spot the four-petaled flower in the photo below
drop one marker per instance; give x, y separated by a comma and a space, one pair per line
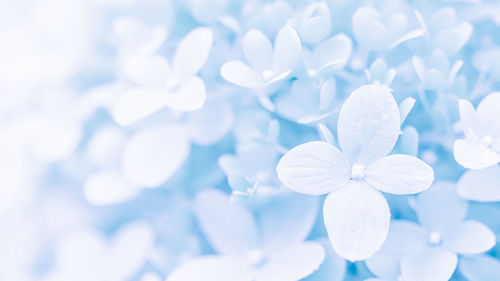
356, 214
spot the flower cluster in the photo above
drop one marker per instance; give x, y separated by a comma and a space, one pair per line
262, 140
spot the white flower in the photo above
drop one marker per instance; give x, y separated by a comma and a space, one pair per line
160, 85
356, 214
268, 65
481, 146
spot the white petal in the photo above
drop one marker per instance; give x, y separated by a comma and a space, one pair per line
292, 263
480, 268
469, 237
212, 268
287, 50
333, 267
149, 71
400, 174
190, 96
472, 154
241, 74
404, 237
480, 185
369, 124
154, 155
468, 117
136, 104
430, 264
287, 219
314, 168
107, 188
440, 207
331, 54
405, 107
453, 39
229, 226
408, 36
357, 220
211, 123
488, 114
258, 50
192, 52
129, 249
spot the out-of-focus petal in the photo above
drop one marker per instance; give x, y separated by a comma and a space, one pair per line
136, 104
107, 188
332, 54
314, 168
430, 264
480, 268
440, 207
469, 237
153, 155
488, 114
258, 50
480, 185
287, 50
192, 52
212, 268
151, 71
190, 95
369, 124
452, 40
292, 263
357, 220
399, 174
241, 74
229, 226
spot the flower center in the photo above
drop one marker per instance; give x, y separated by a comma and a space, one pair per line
267, 75
434, 238
488, 140
357, 172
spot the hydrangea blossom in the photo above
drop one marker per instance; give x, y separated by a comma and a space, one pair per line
356, 214
250, 250
429, 250
481, 146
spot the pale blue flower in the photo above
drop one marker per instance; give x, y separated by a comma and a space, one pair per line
160, 85
480, 185
356, 214
481, 146
437, 73
270, 248
430, 250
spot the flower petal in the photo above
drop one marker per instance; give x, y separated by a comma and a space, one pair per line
147, 70
154, 155
452, 40
287, 50
107, 188
190, 96
287, 219
241, 74
313, 168
480, 185
258, 50
212, 268
399, 174
440, 207
211, 123
357, 220
292, 263
469, 237
472, 154
488, 114
333, 267
136, 104
480, 268
330, 55
192, 52
369, 124
229, 227
430, 264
